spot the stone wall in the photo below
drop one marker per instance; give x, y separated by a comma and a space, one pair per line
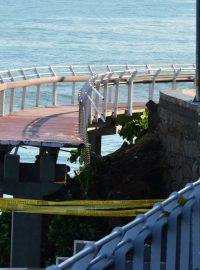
179, 131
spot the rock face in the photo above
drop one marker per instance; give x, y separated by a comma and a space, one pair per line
163, 160
133, 172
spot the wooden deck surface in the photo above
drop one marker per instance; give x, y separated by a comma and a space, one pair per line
50, 127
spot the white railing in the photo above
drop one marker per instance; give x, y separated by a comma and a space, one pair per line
24, 79
39, 86
82, 70
100, 96
167, 237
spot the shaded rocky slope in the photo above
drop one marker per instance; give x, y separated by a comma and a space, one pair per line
132, 172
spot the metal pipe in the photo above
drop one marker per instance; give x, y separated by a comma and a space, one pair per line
197, 51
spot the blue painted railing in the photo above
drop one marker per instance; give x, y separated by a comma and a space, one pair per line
167, 237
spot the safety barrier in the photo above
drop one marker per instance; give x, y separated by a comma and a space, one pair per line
100, 95
109, 90
17, 93
78, 208
167, 238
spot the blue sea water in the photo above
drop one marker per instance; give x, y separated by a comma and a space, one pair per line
44, 32
65, 32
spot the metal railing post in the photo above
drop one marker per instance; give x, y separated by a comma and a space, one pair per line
176, 73
27, 77
12, 93
73, 86
2, 103
24, 92
2, 99
130, 93
105, 103
152, 86
54, 95
38, 89
97, 103
117, 82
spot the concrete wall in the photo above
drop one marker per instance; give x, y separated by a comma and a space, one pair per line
179, 131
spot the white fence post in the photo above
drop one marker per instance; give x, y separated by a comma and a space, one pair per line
11, 107
73, 85
2, 99
152, 86
130, 93
148, 67
37, 101
105, 102
176, 73
116, 100
2, 103
54, 95
23, 92
97, 102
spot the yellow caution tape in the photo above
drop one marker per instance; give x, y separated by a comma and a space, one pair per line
109, 203
78, 208
78, 212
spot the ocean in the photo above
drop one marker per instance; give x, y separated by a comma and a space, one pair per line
66, 32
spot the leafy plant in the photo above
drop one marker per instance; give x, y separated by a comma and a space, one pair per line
86, 177
64, 229
131, 130
74, 155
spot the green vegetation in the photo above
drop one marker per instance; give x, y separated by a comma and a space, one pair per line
133, 129
63, 230
74, 155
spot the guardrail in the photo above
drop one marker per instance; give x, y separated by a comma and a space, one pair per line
100, 95
72, 76
82, 70
166, 237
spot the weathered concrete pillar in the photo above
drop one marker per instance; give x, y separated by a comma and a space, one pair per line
25, 240
26, 228
47, 168
4, 150
11, 168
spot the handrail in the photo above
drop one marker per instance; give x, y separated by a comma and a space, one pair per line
90, 92
48, 80
102, 82
38, 81
89, 70
180, 212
